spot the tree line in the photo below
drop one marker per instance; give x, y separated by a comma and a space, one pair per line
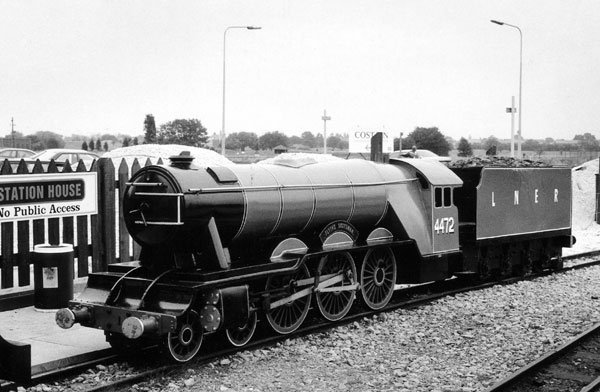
97, 145
188, 132
270, 140
191, 132
584, 142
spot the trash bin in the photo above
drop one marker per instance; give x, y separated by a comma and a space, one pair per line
52, 275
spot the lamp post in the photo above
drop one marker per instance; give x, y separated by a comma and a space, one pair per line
512, 110
223, 119
520, 111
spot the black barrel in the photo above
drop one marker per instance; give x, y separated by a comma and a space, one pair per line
52, 275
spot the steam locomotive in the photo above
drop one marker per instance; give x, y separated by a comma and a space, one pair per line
222, 246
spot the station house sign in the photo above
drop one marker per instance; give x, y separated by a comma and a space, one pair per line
34, 196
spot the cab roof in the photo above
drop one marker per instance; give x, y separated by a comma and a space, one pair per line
436, 173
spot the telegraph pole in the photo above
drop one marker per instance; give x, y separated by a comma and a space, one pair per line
12, 130
325, 118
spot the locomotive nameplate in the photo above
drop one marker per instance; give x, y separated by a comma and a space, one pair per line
338, 226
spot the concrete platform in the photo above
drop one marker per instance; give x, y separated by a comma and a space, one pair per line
48, 341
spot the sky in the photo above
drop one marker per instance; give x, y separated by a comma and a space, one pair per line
88, 67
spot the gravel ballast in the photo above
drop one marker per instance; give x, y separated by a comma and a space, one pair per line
461, 343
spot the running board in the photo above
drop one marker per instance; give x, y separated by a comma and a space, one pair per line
411, 285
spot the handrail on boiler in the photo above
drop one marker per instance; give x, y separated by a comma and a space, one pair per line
303, 186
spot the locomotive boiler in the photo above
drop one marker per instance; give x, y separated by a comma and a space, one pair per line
246, 213
222, 246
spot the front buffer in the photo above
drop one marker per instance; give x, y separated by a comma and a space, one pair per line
169, 308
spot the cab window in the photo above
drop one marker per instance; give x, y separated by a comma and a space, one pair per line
443, 197
438, 197
447, 196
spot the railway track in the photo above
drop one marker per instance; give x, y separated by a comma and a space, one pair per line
574, 366
405, 298
582, 255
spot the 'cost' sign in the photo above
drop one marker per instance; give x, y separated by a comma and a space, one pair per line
360, 142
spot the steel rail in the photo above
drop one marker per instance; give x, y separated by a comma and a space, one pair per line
52, 374
581, 255
508, 383
593, 386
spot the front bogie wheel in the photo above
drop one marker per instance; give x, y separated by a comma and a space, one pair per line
239, 336
183, 344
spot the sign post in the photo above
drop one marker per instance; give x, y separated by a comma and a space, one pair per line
377, 147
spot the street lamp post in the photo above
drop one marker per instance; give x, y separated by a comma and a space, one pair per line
512, 110
223, 119
520, 111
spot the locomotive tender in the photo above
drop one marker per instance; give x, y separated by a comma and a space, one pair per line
222, 245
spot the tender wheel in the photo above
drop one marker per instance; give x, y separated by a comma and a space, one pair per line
239, 336
335, 300
483, 264
287, 317
506, 262
526, 262
378, 277
557, 263
184, 343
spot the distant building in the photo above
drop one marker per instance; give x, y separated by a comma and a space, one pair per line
280, 149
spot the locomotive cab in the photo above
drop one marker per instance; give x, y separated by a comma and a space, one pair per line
432, 224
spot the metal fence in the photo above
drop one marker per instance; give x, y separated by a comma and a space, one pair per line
98, 240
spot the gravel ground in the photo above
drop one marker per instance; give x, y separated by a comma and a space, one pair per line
460, 343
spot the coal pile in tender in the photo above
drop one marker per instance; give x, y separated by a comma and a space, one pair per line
493, 161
